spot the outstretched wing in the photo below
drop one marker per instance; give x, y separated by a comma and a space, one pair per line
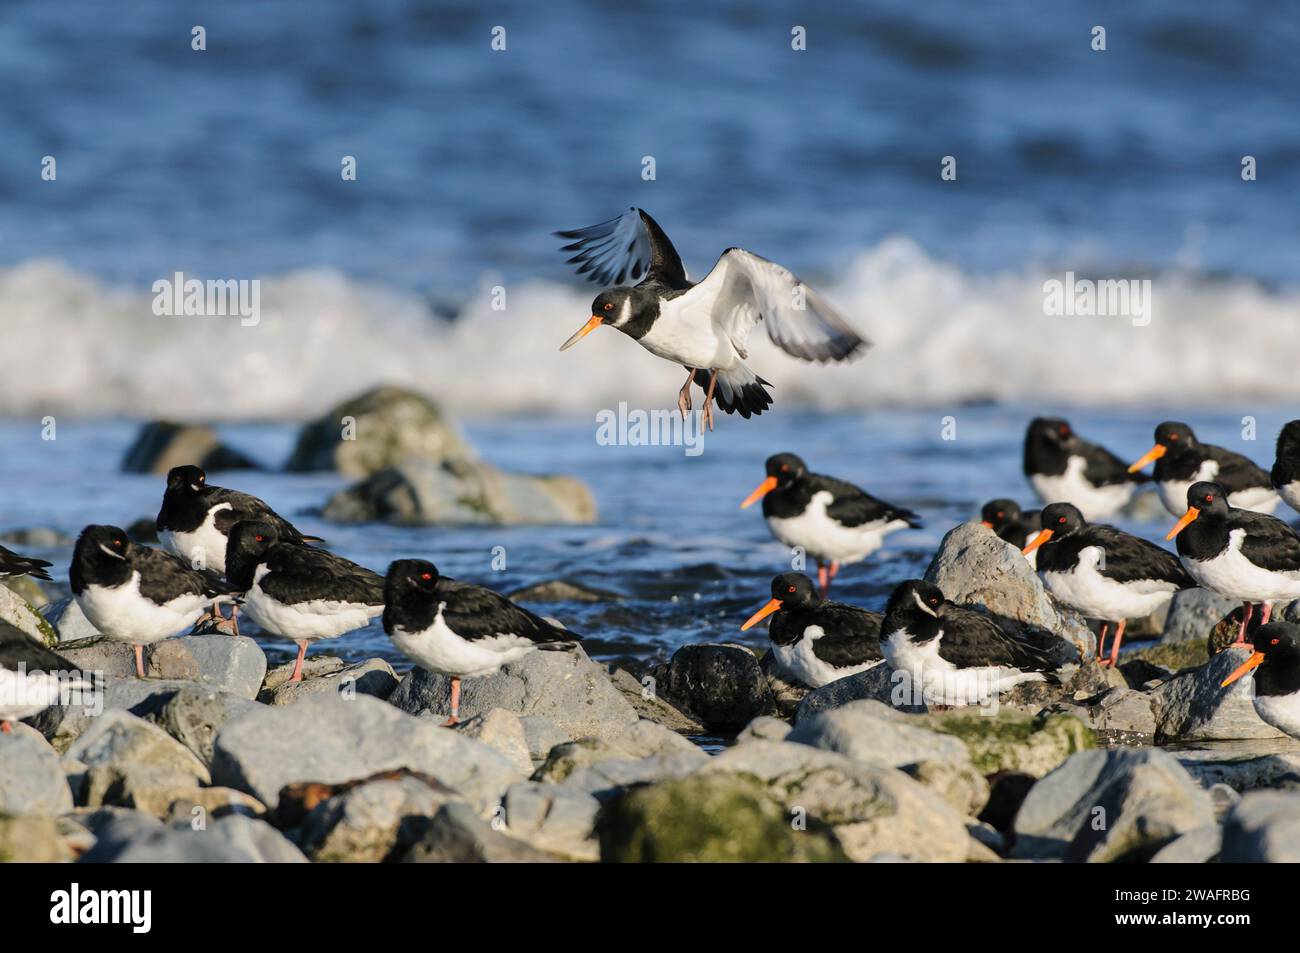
625, 248
743, 289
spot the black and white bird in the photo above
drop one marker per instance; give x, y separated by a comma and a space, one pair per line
954, 655
815, 640
1103, 572
32, 678
1011, 524
1182, 460
1275, 664
832, 521
1285, 475
1063, 467
138, 595
297, 592
458, 629
704, 326
14, 564
1238, 553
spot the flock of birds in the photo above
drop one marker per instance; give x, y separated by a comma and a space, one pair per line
221, 546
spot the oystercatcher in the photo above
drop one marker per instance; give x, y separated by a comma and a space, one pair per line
195, 520
1276, 667
1063, 467
296, 592
458, 629
32, 678
135, 594
1285, 476
815, 640
832, 521
1238, 553
1182, 460
13, 564
1103, 572
1011, 524
954, 655
705, 326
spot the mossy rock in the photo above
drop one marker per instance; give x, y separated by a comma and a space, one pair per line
1175, 656
718, 818
564, 759
1012, 740
21, 614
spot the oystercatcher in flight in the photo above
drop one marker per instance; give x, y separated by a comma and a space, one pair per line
1275, 663
1285, 476
1062, 467
1238, 553
458, 629
816, 640
1011, 524
1182, 460
296, 592
832, 521
1103, 572
13, 564
32, 678
954, 655
704, 326
138, 595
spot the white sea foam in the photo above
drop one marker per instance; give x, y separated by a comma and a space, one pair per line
75, 344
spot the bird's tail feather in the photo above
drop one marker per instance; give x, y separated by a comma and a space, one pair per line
742, 391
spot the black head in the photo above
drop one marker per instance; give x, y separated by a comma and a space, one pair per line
410, 576
1208, 499
1277, 656
998, 513
102, 555
785, 467
1050, 430
251, 538
615, 307
916, 597
1174, 436
790, 591
1288, 443
1062, 519
188, 478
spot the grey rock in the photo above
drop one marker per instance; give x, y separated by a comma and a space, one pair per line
872, 733
33, 839
1198, 846
1264, 828
879, 683
764, 728
541, 735
62, 724
143, 787
31, 780
645, 738
721, 684
503, 732
373, 677
21, 614
606, 777
566, 687
787, 690
1121, 715
232, 839
117, 737
163, 444
313, 666
649, 704
375, 821
259, 840
555, 819
195, 714
69, 621
327, 739
28, 588
1193, 613
234, 664
1122, 804
36, 537
1245, 765
643, 753
458, 835
1194, 706
563, 590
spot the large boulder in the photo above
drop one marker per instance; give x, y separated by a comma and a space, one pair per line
1122, 804
231, 839
381, 428
1246, 765
1195, 706
1264, 827
1010, 740
457, 836
721, 684
558, 820
1193, 613
195, 714
69, 622
62, 724
230, 664
375, 821
644, 752
31, 779
374, 677
461, 492
878, 683
163, 444
565, 687
117, 737
22, 615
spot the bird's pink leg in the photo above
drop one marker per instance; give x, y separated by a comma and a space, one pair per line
1268, 611
706, 415
1249, 611
830, 577
823, 578
1101, 642
139, 660
1119, 637
684, 395
297, 666
455, 703
6, 728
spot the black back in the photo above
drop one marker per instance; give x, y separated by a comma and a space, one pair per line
1127, 558
104, 556
295, 573
1051, 441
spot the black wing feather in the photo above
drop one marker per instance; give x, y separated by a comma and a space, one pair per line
1236, 472
1130, 558
853, 506
852, 635
15, 564
474, 612
1269, 542
164, 576
972, 639
632, 246
302, 574
18, 648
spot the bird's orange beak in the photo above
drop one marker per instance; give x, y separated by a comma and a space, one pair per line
1152, 455
1249, 665
986, 524
595, 322
761, 614
1042, 537
1189, 516
760, 491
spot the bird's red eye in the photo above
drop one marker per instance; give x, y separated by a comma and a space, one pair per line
1209, 499
260, 539
426, 576
1061, 520
785, 468
934, 601
1274, 642
1065, 431
1173, 436
792, 588
609, 306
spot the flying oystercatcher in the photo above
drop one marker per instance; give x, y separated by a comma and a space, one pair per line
135, 594
458, 629
1063, 467
32, 678
13, 564
195, 520
1275, 663
954, 655
1103, 572
1011, 524
1182, 460
296, 592
704, 326
1238, 553
815, 640
832, 521
1285, 476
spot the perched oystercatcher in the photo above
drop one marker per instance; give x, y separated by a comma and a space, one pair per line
458, 629
1104, 572
815, 640
1285, 476
195, 520
1011, 524
296, 592
1063, 467
1276, 667
832, 521
1182, 460
704, 327
32, 678
13, 564
135, 594
1238, 553
952, 654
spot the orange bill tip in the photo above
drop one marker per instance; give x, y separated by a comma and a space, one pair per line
595, 322
1155, 453
760, 491
1249, 665
761, 614
1188, 517
1042, 537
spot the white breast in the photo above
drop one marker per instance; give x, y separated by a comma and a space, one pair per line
1232, 575
439, 649
123, 614
1084, 588
1290, 492
801, 662
304, 621
1280, 711
939, 682
1094, 502
824, 538
684, 333
203, 547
